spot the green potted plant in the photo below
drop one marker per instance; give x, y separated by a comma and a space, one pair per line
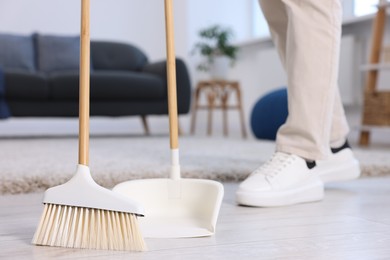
217, 50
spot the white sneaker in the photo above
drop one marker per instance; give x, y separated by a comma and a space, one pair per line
284, 180
340, 166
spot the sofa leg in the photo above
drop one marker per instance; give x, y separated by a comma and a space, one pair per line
145, 125
180, 130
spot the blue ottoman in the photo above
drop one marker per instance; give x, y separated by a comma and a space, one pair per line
269, 113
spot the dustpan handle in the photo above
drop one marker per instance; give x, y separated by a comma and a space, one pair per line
84, 83
171, 76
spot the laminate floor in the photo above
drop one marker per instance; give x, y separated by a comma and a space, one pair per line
352, 222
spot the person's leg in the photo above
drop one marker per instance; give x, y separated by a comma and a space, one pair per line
286, 178
275, 12
340, 128
316, 121
313, 97
341, 164
312, 57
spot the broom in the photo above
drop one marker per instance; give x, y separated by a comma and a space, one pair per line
80, 213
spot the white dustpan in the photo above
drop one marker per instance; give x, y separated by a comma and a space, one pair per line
175, 207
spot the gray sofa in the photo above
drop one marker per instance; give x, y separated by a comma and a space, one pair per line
41, 78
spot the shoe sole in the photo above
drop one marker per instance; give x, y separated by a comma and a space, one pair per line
310, 191
344, 172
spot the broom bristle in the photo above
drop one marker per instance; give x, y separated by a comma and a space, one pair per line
76, 227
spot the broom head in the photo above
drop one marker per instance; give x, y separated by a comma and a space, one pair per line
82, 214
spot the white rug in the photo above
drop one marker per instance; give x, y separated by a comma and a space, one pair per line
30, 165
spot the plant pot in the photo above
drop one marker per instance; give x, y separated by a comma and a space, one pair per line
219, 68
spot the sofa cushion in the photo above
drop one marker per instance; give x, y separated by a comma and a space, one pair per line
17, 52
21, 85
109, 85
57, 53
4, 109
116, 56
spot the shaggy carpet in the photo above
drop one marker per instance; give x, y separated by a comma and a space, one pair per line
34, 164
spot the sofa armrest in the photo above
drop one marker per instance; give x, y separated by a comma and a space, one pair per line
182, 80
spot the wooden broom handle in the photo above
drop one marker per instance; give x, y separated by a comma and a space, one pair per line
171, 75
84, 83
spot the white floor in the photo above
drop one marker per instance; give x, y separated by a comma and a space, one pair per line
353, 222
132, 126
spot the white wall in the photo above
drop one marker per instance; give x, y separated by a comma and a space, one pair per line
135, 21
138, 22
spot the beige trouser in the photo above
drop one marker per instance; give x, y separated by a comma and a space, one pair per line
307, 35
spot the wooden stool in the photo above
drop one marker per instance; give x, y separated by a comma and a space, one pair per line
376, 108
217, 93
